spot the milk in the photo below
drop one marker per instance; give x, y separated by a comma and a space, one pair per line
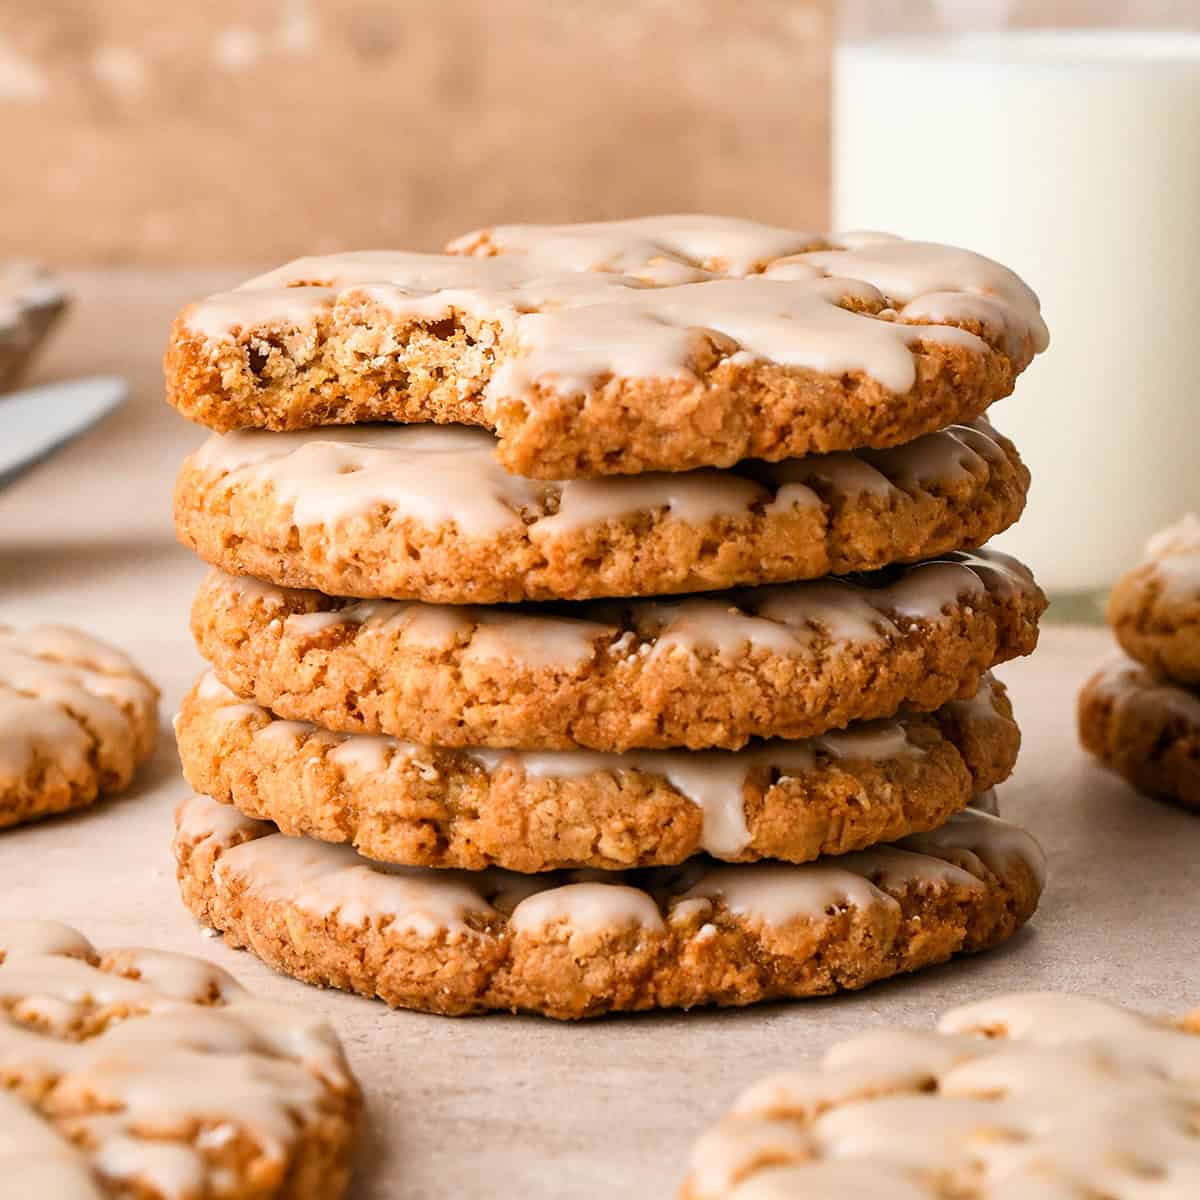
1073, 158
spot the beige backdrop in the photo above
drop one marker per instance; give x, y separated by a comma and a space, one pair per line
245, 130
238, 131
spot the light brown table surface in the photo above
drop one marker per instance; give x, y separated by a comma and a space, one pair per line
515, 1106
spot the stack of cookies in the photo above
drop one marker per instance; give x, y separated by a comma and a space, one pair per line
1139, 713
654, 565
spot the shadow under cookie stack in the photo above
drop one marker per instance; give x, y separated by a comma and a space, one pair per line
669, 685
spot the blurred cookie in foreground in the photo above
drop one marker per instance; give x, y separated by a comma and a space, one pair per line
77, 717
137, 1073
1037, 1095
1154, 610
1144, 727
31, 301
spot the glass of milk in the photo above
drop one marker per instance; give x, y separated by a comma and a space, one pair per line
1074, 158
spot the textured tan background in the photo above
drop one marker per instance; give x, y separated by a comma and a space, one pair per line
242, 131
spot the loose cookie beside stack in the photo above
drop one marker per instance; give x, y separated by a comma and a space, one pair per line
1140, 713
136, 1073
466, 744
77, 718
1042, 1096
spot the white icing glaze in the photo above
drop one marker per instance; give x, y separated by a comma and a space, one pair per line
872, 741
775, 894
674, 248
1063, 1098
485, 634
831, 1181
573, 327
432, 474
941, 284
35, 1160
442, 475
1175, 555
182, 1044
712, 779
925, 591
223, 315
651, 333
850, 474
331, 881
782, 619
32, 936
1181, 538
586, 908
950, 455
933, 283
996, 850
982, 706
787, 617
363, 754
60, 692
716, 1165
334, 881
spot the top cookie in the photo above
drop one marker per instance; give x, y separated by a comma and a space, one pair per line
1155, 609
820, 344
1028, 1097
136, 1073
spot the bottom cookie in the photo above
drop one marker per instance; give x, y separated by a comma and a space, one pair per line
579, 944
143, 1075
1145, 728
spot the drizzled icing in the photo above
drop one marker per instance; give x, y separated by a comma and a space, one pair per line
934, 283
781, 619
1040, 1095
61, 694
676, 248
37, 1160
714, 780
554, 325
334, 882
448, 475
161, 1050
1174, 553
